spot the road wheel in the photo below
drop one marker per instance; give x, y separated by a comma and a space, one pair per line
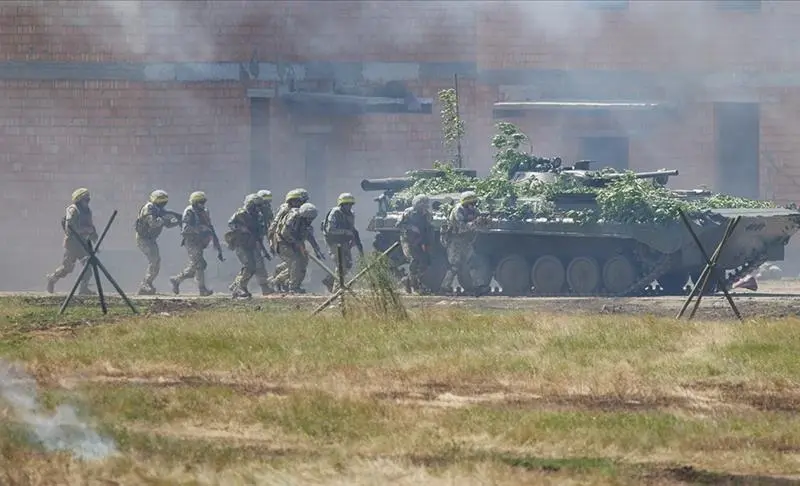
548, 275
513, 276
618, 274
583, 275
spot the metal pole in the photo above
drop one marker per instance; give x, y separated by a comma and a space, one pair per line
458, 123
704, 274
712, 271
86, 265
352, 280
340, 264
96, 271
98, 263
720, 281
116, 287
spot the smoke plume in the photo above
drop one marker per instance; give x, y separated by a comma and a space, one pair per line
61, 431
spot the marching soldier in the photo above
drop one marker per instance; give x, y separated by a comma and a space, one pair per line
79, 218
291, 234
266, 209
197, 233
293, 200
416, 237
245, 237
339, 229
458, 236
152, 219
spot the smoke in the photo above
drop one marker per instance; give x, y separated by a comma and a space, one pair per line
61, 431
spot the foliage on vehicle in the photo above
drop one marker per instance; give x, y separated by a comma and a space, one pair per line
625, 200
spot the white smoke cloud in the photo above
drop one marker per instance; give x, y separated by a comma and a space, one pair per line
61, 431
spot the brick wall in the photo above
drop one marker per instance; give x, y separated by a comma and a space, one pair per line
649, 35
197, 31
121, 140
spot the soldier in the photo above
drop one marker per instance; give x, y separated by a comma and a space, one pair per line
79, 218
291, 234
245, 237
458, 237
339, 229
294, 199
197, 234
416, 237
152, 219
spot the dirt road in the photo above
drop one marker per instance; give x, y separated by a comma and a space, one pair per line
774, 299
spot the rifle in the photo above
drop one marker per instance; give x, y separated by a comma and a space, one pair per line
215, 239
359, 245
175, 218
263, 249
315, 245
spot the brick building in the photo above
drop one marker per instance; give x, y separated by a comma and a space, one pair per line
231, 96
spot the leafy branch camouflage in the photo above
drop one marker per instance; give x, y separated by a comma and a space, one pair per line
625, 200
452, 125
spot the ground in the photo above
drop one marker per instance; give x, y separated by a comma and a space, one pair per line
464, 391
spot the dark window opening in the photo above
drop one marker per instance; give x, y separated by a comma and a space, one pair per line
317, 149
737, 146
259, 143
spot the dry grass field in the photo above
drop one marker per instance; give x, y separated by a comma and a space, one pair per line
259, 393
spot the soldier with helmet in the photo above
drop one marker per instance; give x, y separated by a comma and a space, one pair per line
291, 235
339, 229
245, 237
79, 218
416, 238
457, 237
197, 233
294, 199
152, 219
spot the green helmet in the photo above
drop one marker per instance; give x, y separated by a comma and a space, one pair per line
251, 201
308, 211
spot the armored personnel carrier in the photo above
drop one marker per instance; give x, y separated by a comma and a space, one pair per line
561, 255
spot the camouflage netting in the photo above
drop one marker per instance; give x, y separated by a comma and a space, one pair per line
625, 200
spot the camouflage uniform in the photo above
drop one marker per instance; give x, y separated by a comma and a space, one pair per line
149, 224
339, 229
245, 231
261, 267
283, 211
458, 242
291, 236
79, 217
416, 237
197, 235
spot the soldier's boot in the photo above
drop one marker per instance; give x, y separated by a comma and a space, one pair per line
447, 283
176, 285
85, 290
200, 278
406, 284
329, 282
146, 288
51, 283
241, 293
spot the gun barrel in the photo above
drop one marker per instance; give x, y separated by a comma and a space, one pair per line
389, 184
431, 173
643, 175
